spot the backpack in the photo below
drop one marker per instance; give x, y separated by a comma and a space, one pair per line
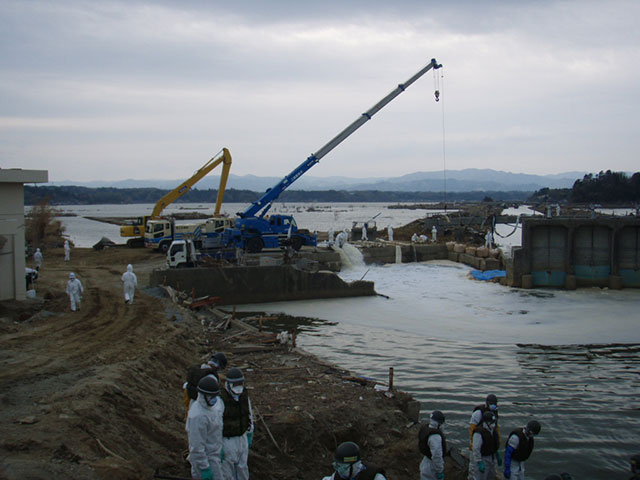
194, 374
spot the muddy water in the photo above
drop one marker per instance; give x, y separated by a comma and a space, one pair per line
569, 359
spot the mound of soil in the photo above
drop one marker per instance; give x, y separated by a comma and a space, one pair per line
97, 394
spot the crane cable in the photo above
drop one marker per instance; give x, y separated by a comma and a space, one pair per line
438, 82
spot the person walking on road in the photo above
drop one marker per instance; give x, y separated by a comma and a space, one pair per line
37, 258
433, 446
237, 433
485, 453
204, 431
130, 282
75, 291
518, 450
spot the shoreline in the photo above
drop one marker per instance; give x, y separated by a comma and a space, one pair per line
97, 393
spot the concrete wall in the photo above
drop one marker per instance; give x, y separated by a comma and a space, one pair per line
12, 275
240, 285
381, 254
572, 252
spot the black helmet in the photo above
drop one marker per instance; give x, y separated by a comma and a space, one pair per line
235, 375
489, 417
219, 360
347, 452
492, 399
437, 416
208, 385
534, 427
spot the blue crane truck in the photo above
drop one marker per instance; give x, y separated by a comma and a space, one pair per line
254, 230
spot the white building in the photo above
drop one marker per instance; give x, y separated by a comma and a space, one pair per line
12, 275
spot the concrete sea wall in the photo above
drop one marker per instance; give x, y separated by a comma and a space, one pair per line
239, 285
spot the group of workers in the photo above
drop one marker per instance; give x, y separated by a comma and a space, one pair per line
75, 288
219, 421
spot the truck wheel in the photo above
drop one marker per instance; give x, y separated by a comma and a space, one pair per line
296, 243
255, 245
164, 247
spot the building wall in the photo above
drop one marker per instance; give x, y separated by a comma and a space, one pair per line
12, 278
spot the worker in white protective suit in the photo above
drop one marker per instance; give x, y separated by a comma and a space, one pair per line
74, 290
37, 258
390, 233
130, 282
348, 464
485, 453
364, 233
434, 234
331, 234
414, 238
433, 446
67, 251
204, 430
518, 449
237, 433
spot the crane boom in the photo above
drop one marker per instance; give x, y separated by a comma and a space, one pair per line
264, 202
184, 187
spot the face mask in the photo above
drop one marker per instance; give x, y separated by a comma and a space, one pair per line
235, 389
493, 408
211, 400
343, 469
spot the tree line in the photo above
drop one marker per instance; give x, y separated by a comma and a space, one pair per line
74, 195
604, 187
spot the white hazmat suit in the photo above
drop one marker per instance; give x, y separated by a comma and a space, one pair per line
37, 258
431, 467
130, 281
477, 457
236, 449
390, 233
74, 290
67, 251
204, 430
364, 233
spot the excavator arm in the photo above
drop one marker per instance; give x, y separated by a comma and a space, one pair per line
184, 187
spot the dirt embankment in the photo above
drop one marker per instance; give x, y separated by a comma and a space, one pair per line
96, 394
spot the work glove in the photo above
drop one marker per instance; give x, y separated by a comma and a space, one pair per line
440, 476
481, 467
499, 459
507, 472
222, 455
250, 438
206, 474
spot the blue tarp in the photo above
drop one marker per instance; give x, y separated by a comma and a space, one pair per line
488, 274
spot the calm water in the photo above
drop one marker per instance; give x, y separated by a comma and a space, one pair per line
569, 359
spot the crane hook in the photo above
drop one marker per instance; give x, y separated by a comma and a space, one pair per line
437, 94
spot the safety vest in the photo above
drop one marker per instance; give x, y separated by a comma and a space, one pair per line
236, 419
423, 440
489, 440
525, 446
483, 408
369, 472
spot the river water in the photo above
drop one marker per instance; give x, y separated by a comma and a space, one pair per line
570, 359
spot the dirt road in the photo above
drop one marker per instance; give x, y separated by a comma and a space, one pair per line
96, 394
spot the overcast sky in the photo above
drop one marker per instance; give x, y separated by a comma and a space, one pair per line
110, 90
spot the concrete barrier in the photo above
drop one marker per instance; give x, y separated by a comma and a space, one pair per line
239, 285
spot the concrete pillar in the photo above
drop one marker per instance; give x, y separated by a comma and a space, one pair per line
615, 282
527, 281
570, 282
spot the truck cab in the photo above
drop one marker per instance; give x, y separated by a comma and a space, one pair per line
182, 253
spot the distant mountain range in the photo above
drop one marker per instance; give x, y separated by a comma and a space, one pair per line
467, 180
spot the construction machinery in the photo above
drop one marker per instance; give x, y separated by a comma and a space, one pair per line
135, 229
253, 230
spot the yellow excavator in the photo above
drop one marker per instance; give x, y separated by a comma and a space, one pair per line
134, 229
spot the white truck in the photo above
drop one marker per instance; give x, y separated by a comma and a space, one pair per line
182, 253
